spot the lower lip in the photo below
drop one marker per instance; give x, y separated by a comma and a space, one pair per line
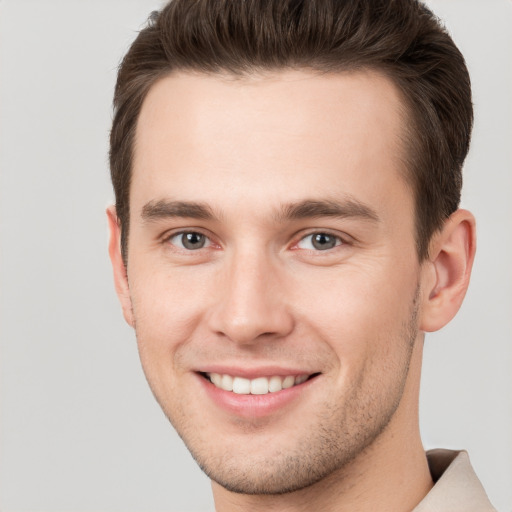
253, 406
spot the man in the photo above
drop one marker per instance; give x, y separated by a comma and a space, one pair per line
286, 229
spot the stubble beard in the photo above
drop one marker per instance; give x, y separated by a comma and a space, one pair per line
339, 435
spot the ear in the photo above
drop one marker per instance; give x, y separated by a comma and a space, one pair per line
446, 274
118, 266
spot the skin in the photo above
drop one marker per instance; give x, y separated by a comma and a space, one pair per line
258, 293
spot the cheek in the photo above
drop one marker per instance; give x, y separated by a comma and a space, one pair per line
358, 311
168, 308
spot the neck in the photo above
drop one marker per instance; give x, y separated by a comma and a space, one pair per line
391, 475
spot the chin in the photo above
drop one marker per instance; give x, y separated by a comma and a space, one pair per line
261, 478
288, 463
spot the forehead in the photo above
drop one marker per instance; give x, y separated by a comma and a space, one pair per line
290, 133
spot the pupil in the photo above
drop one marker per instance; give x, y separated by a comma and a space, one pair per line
193, 240
323, 241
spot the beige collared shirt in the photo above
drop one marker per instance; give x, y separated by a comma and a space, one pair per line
456, 486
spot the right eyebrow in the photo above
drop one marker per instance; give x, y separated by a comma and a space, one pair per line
164, 209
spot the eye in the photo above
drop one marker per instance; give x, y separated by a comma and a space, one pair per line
190, 240
319, 242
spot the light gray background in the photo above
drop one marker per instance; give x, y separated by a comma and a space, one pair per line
80, 430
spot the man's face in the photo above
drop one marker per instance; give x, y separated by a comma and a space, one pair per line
272, 245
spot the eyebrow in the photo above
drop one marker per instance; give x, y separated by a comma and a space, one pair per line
347, 208
164, 209
309, 208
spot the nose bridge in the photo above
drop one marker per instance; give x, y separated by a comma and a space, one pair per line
249, 303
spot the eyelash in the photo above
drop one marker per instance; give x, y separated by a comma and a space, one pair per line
338, 240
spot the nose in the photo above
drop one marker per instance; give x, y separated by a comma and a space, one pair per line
251, 301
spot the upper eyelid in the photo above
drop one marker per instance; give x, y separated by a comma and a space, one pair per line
181, 231
343, 237
334, 235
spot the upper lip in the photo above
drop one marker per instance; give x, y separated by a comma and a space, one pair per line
254, 372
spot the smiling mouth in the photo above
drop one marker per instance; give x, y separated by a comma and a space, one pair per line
257, 386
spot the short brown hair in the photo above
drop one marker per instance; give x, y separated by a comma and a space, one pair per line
401, 38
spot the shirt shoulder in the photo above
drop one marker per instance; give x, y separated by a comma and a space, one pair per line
456, 486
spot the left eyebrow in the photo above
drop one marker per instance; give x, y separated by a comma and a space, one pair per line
347, 208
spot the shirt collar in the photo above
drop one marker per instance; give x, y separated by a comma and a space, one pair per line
456, 486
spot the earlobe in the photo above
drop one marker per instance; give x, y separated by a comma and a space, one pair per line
447, 273
118, 266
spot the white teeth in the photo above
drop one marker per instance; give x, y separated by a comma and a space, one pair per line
226, 383
288, 382
275, 384
241, 386
258, 386
216, 379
